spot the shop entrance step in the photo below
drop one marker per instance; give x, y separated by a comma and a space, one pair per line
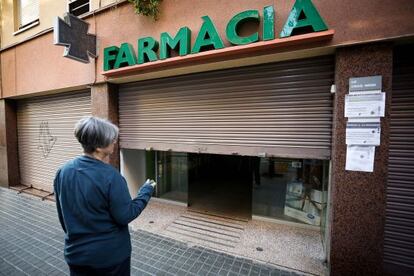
207, 229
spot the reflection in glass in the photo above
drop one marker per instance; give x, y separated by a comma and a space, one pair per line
172, 176
290, 189
286, 189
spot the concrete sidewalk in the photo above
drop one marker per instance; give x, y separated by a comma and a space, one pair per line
31, 243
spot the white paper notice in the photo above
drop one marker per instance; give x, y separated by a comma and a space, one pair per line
365, 105
363, 134
360, 158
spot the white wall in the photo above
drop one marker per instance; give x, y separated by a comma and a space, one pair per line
133, 168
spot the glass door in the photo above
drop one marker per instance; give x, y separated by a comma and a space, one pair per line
172, 176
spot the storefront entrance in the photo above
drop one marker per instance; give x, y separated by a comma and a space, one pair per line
284, 189
220, 184
212, 139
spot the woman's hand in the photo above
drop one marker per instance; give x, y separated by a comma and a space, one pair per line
151, 182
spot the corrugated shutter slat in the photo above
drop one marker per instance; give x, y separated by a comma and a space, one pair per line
282, 109
399, 226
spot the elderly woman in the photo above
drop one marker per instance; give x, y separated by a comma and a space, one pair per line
94, 205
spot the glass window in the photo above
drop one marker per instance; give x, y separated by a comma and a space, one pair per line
28, 12
290, 189
241, 186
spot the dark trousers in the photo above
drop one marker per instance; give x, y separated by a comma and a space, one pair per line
122, 269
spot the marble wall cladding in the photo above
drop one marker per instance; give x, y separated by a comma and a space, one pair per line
4, 179
9, 169
104, 99
358, 198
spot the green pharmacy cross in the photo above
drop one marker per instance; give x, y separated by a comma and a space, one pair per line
72, 33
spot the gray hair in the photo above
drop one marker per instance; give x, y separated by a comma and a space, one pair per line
94, 132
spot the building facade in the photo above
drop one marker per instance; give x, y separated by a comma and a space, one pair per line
243, 109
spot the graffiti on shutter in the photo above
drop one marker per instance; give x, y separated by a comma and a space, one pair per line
46, 140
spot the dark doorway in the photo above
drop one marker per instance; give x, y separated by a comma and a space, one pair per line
221, 184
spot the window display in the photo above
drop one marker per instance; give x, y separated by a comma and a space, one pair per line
292, 190
304, 198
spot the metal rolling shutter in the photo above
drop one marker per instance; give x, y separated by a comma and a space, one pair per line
45, 135
399, 226
282, 109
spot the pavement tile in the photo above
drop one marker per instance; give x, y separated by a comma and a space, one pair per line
265, 272
203, 272
32, 243
223, 272
276, 273
244, 272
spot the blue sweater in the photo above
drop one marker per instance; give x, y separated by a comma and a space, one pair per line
94, 208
